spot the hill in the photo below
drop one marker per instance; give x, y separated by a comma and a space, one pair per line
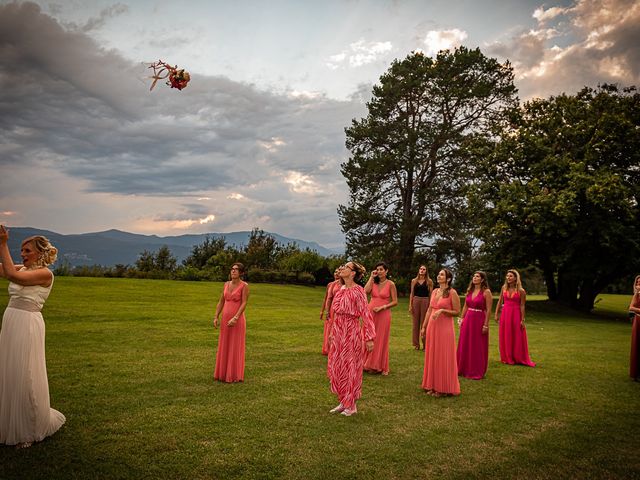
113, 247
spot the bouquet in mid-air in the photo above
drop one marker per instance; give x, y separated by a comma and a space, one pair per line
176, 78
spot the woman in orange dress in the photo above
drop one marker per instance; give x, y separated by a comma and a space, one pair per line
349, 339
384, 297
634, 307
233, 327
440, 376
326, 307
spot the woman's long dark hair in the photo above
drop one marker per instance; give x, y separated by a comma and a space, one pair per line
376, 279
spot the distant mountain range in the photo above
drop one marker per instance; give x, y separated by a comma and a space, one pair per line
117, 247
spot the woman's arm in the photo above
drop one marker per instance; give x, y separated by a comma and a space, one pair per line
498, 305
488, 301
326, 296
413, 282
219, 308
245, 297
523, 300
39, 276
369, 286
632, 308
394, 297
425, 322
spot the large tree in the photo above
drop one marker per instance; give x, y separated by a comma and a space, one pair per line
561, 191
409, 155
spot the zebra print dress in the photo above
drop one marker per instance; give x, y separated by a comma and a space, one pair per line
346, 354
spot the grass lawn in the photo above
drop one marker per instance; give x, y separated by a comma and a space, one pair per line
130, 364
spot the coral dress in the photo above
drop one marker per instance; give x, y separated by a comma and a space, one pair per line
347, 348
473, 345
377, 360
513, 338
25, 412
335, 286
440, 365
230, 356
634, 369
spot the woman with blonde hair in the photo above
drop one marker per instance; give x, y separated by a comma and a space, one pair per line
473, 342
421, 288
349, 338
25, 412
440, 377
634, 307
514, 348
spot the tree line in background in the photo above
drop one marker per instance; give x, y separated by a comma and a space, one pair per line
448, 168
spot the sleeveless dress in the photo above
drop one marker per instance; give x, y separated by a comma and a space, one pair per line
440, 365
419, 308
634, 368
25, 411
335, 286
377, 360
473, 345
514, 348
347, 348
230, 355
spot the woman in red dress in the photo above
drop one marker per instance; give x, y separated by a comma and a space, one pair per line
384, 297
634, 307
326, 307
347, 336
440, 376
233, 327
512, 333
421, 288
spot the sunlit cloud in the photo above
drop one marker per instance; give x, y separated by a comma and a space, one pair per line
236, 196
7, 213
358, 54
300, 183
437, 40
543, 15
273, 145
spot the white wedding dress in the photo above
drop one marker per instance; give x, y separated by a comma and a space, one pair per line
25, 412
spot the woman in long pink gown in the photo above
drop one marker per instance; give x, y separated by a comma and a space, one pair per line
473, 342
514, 348
233, 328
332, 287
634, 307
347, 337
384, 296
440, 376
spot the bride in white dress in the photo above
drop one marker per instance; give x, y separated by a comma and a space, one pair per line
25, 412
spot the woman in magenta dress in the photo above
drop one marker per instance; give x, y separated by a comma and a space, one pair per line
421, 288
332, 287
347, 336
440, 376
233, 327
512, 334
473, 343
634, 307
384, 296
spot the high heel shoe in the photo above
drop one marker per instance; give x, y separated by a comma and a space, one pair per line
338, 409
347, 412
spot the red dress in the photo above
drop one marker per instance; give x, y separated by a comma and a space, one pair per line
333, 288
634, 369
230, 355
347, 349
514, 348
377, 360
440, 365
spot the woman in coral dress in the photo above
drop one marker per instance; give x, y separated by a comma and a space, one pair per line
514, 348
421, 288
440, 376
233, 327
384, 297
332, 287
634, 307
347, 336
473, 342
25, 412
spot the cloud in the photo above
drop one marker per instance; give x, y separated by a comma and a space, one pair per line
437, 40
83, 117
358, 54
598, 44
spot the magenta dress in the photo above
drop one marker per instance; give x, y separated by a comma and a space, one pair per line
440, 365
377, 360
230, 355
634, 367
347, 348
513, 338
473, 345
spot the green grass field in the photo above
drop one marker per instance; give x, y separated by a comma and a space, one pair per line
130, 364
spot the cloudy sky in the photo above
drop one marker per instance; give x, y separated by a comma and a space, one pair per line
257, 138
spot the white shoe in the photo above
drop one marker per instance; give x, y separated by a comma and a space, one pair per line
337, 409
347, 412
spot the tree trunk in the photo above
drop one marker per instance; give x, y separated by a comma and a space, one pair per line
587, 295
567, 288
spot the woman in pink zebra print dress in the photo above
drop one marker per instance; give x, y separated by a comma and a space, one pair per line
346, 354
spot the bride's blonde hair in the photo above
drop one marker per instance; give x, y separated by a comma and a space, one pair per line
47, 253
